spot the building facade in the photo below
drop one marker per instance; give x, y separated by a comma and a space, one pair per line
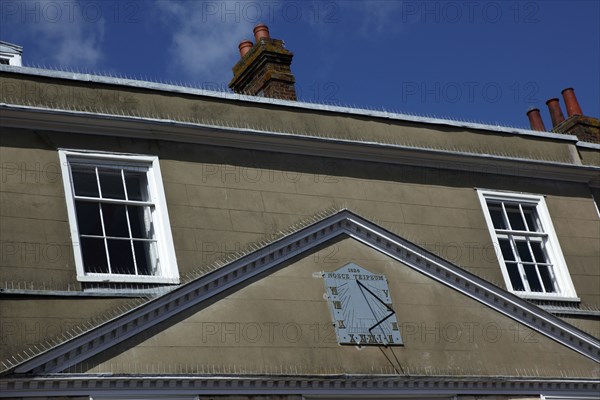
167, 242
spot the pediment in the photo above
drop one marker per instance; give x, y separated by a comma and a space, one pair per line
286, 275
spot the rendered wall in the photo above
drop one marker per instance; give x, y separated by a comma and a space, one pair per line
281, 323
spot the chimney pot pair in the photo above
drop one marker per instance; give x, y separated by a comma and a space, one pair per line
556, 114
261, 31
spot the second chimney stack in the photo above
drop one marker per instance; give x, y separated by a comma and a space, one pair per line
556, 114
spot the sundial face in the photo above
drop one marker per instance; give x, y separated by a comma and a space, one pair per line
361, 306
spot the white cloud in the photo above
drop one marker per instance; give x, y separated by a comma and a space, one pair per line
205, 37
64, 34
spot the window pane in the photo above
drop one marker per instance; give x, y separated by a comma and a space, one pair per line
514, 217
115, 221
496, 214
538, 252
88, 218
532, 278
515, 278
507, 252
94, 255
140, 220
531, 218
121, 257
84, 180
137, 185
547, 278
523, 251
111, 183
146, 257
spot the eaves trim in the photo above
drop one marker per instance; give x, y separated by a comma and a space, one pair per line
90, 343
587, 145
138, 84
19, 116
323, 385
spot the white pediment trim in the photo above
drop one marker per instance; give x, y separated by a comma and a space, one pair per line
87, 344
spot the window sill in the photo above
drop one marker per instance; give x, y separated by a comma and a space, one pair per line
136, 279
531, 296
116, 293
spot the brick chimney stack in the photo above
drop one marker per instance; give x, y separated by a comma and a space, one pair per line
587, 129
264, 68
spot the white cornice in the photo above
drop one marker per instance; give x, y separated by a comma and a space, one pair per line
28, 117
319, 385
594, 146
98, 339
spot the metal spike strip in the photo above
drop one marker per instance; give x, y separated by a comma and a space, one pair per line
129, 113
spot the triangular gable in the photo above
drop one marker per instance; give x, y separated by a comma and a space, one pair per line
90, 343
282, 322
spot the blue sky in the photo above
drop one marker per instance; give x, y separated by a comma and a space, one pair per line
486, 61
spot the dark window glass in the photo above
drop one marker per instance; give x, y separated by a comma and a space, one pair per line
507, 252
141, 224
514, 217
496, 214
4, 61
530, 217
121, 257
115, 220
546, 275
137, 185
94, 255
88, 218
523, 250
532, 278
538, 252
84, 180
515, 278
142, 257
111, 183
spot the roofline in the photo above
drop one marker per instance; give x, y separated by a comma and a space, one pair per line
139, 84
339, 385
595, 146
16, 47
83, 122
84, 344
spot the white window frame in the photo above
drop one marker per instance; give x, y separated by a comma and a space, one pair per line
566, 290
160, 217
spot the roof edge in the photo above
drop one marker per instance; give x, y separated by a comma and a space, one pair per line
172, 88
327, 384
227, 136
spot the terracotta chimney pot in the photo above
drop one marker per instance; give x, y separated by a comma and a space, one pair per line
261, 31
556, 114
535, 120
245, 47
571, 102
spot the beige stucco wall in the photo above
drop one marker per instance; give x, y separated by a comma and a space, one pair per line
26, 322
281, 323
220, 200
589, 156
